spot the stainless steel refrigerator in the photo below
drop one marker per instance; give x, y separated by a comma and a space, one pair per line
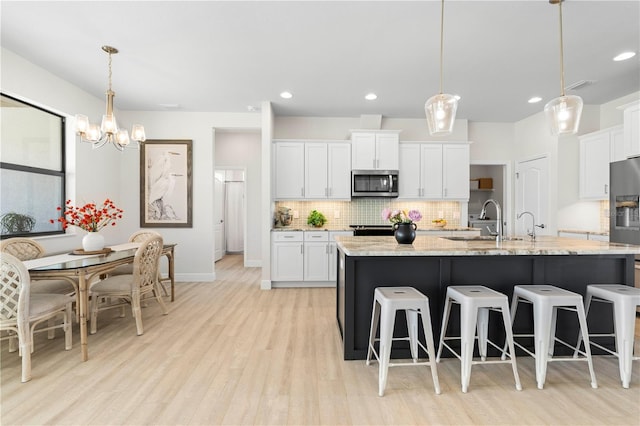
624, 205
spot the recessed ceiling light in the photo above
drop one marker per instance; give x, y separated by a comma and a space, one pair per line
624, 56
286, 95
371, 96
251, 108
458, 97
170, 106
534, 100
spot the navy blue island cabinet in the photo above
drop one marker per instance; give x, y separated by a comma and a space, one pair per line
431, 264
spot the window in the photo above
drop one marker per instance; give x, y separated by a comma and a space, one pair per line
32, 169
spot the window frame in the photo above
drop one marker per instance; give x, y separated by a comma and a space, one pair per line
62, 173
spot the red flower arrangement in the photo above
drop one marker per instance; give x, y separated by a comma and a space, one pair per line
89, 217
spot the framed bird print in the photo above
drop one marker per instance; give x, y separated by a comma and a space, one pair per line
165, 184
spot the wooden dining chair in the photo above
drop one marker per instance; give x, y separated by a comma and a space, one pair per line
21, 311
120, 290
29, 249
138, 237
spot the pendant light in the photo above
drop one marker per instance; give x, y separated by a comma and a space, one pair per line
441, 108
563, 113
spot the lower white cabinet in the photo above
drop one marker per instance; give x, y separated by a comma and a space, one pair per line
304, 257
287, 256
316, 256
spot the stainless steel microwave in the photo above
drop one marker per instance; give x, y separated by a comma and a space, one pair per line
374, 183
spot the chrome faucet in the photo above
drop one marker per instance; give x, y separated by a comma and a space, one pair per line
483, 213
531, 233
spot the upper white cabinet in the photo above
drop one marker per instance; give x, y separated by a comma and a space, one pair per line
632, 130
434, 171
327, 170
289, 170
597, 150
375, 150
312, 170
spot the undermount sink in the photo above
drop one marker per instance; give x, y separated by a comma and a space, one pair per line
482, 238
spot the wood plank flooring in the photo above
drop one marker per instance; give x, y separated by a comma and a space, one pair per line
230, 353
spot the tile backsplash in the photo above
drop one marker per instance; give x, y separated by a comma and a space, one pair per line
367, 211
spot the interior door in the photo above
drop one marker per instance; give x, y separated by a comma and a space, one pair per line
219, 209
532, 194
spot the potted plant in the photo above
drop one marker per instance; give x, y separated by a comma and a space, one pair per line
16, 223
316, 219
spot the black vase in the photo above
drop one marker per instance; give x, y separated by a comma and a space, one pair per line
405, 233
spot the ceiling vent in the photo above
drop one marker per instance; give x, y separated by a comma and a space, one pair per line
579, 85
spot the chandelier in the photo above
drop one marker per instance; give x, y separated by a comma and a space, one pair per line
108, 131
563, 113
441, 109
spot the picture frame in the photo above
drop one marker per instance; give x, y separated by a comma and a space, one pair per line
166, 190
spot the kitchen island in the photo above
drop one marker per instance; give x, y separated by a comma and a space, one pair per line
431, 264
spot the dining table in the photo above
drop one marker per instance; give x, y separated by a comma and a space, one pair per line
84, 268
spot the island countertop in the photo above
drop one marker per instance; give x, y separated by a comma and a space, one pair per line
442, 246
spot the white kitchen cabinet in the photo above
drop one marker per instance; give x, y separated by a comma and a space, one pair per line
333, 253
616, 141
327, 170
632, 130
455, 164
434, 171
287, 256
597, 150
374, 150
289, 170
316, 256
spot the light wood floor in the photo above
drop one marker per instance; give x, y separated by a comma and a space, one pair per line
230, 353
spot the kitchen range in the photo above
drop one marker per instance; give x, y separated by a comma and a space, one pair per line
371, 230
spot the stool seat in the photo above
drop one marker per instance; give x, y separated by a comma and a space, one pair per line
475, 304
546, 300
386, 301
625, 299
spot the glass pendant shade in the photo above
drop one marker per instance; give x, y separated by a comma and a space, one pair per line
563, 114
122, 137
82, 123
137, 133
93, 133
441, 113
109, 124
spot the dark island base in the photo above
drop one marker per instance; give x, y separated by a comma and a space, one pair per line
359, 276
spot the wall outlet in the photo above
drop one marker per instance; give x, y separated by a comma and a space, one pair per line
296, 214
336, 214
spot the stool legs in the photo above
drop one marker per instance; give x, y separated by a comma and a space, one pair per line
375, 317
428, 334
587, 348
468, 317
386, 335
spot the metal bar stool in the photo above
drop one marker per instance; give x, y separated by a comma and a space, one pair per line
386, 301
546, 301
475, 303
624, 300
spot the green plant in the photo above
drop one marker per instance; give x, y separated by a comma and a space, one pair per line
316, 218
16, 223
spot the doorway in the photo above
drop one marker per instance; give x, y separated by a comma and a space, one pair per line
499, 190
230, 212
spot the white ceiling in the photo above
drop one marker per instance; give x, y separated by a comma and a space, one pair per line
225, 56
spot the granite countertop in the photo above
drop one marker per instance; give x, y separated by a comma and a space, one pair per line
440, 246
308, 228
582, 231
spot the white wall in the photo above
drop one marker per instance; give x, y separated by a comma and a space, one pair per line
611, 115
106, 172
243, 151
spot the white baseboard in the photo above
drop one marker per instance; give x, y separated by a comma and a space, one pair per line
302, 284
265, 285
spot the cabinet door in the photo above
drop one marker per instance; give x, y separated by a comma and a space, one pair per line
363, 151
315, 173
387, 151
316, 261
409, 179
455, 163
632, 131
339, 170
594, 166
289, 173
616, 142
287, 261
431, 175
